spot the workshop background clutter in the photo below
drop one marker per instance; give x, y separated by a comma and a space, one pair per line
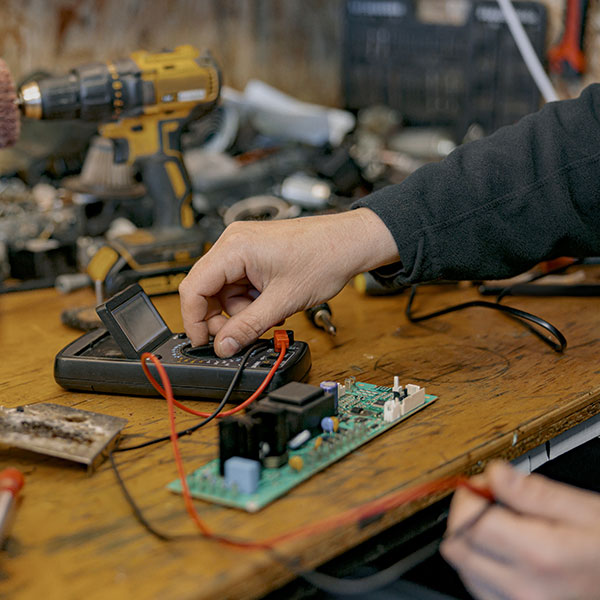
306, 37
361, 94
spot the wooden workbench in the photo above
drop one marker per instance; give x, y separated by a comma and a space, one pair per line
501, 392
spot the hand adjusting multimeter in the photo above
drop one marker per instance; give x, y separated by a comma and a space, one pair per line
108, 359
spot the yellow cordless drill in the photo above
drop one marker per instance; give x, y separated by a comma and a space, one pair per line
143, 103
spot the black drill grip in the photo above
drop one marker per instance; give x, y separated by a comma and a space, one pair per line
169, 186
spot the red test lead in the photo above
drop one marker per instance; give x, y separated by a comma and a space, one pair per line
11, 482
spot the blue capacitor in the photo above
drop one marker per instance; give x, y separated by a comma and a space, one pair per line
331, 387
243, 472
330, 424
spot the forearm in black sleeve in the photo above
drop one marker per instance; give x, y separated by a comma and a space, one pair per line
495, 207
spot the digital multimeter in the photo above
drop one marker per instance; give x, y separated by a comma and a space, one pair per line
108, 359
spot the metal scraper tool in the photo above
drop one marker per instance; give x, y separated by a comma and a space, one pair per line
54, 430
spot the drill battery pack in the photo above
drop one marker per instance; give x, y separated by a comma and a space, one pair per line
157, 259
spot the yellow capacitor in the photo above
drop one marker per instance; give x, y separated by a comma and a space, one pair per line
296, 462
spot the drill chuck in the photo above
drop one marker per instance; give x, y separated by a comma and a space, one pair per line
130, 87
88, 92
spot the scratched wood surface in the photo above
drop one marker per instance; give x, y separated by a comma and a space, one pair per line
501, 392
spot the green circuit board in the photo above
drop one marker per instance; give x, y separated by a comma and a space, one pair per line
360, 414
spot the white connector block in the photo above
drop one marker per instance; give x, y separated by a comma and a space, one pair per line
346, 387
415, 397
392, 410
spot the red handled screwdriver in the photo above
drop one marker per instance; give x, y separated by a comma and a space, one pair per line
11, 482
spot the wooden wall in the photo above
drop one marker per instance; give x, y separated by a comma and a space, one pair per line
292, 44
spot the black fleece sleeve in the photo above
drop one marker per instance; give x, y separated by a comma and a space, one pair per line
495, 207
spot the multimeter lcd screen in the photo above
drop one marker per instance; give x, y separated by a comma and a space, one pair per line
139, 321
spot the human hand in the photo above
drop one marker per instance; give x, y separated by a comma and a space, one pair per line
259, 273
540, 542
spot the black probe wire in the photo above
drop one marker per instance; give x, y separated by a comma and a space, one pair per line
362, 585
520, 315
190, 430
507, 291
372, 583
137, 512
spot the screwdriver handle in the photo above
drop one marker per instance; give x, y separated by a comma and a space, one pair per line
11, 482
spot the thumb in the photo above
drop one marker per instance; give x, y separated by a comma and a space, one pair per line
538, 496
246, 326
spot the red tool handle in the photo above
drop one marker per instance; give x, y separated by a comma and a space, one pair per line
567, 58
11, 480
